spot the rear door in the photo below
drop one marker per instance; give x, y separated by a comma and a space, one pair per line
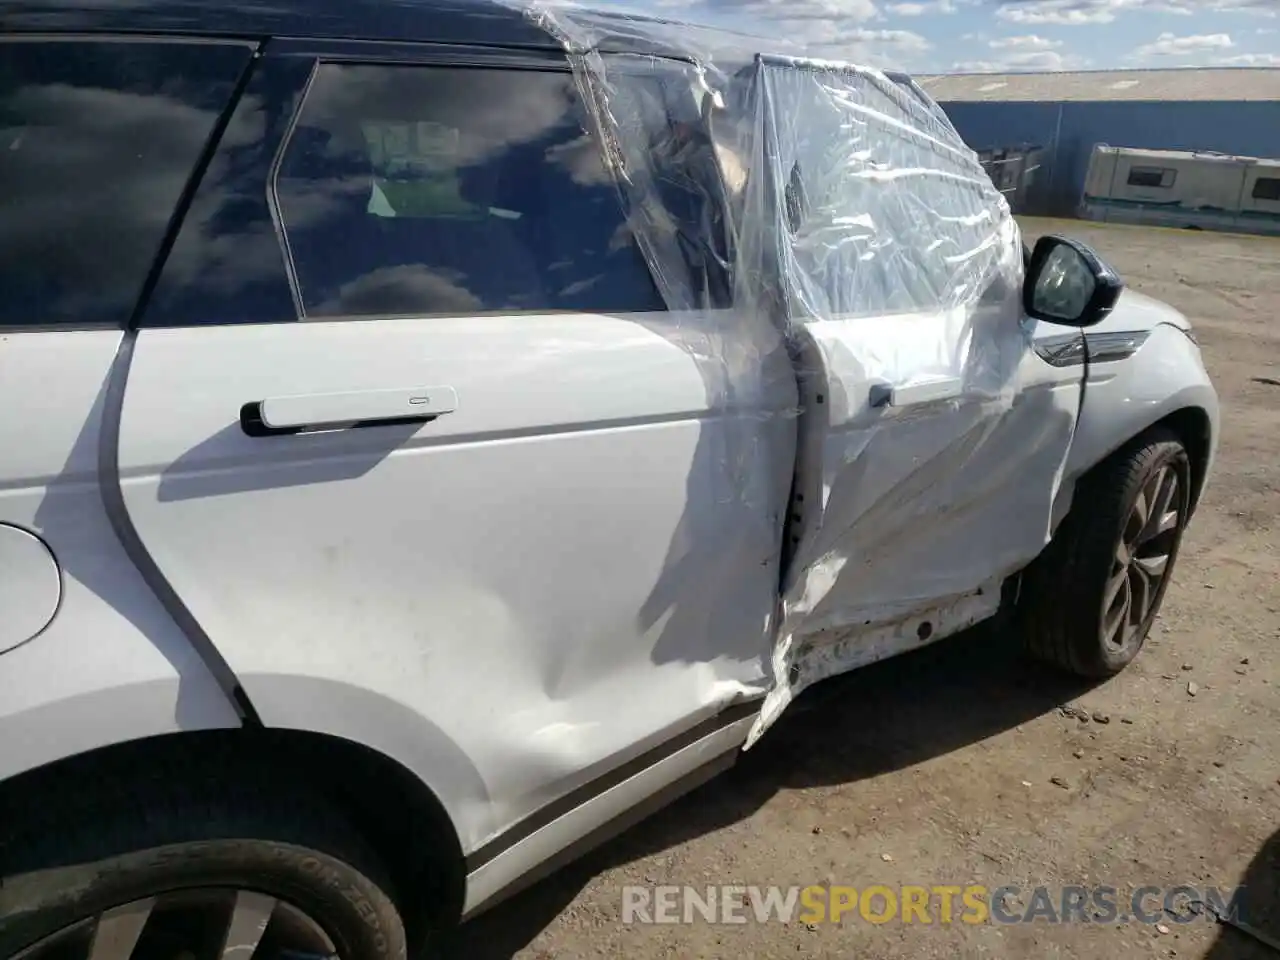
408, 429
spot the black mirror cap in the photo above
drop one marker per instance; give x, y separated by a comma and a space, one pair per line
1107, 292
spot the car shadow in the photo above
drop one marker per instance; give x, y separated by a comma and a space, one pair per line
1259, 909
274, 464
890, 716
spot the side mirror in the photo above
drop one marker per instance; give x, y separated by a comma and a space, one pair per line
1068, 283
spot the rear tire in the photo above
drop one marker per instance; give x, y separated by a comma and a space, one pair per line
1088, 602
77, 860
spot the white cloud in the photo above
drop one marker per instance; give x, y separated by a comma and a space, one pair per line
1083, 12
833, 28
1028, 42
903, 40
1031, 61
919, 8
1061, 12
1250, 60
830, 28
766, 13
827, 11
819, 24
1263, 8
1168, 45
1003, 35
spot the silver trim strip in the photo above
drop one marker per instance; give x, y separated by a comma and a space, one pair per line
1065, 350
1110, 347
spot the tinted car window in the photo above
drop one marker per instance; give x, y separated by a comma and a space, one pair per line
97, 142
428, 190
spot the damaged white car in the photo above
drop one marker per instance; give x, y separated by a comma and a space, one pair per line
467, 424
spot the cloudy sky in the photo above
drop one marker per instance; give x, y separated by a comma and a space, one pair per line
926, 36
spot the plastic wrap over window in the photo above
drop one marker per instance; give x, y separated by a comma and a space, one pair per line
839, 202
832, 188
884, 209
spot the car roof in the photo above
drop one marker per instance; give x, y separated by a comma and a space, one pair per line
487, 22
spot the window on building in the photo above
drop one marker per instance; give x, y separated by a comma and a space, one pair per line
98, 139
409, 190
1163, 177
1267, 188
1160, 177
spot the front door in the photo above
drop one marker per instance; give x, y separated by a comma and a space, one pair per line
933, 437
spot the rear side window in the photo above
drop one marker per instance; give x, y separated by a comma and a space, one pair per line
97, 142
410, 190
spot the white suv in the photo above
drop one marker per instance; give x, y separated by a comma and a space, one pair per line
398, 492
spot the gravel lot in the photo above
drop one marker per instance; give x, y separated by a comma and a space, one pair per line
957, 765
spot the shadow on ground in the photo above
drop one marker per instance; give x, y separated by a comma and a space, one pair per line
886, 717
1259, 909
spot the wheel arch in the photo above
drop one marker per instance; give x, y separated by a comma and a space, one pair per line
1195, 431
399, 816
1164, 383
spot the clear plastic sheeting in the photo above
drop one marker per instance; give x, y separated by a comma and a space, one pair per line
842, 203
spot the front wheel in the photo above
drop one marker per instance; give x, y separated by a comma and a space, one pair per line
1088, 602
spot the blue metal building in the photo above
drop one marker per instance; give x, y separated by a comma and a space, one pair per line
1234, 111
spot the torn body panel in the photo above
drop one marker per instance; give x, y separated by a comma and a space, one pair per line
803, 660
914, 516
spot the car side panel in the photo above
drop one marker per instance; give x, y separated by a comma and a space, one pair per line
111, 665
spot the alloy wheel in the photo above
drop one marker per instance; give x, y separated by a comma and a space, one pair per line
1142, 558
208, 924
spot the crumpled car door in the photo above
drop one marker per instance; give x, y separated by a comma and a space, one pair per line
932, 440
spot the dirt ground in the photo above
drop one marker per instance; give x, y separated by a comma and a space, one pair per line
958, 765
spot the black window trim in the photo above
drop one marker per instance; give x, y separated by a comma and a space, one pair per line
189, 189
407, 53
183, 203
160, 38
385, 54
17, 329
273, 199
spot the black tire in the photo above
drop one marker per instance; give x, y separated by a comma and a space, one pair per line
111, 839
1060, 613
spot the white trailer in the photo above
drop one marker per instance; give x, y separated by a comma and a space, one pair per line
1174, 188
